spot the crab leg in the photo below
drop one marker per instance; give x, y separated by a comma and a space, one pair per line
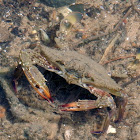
82, 105
103, 128
121, 103
104, 100
37, 81
17, 74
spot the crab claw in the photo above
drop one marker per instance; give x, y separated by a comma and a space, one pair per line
38, 82
43, 90
81, 105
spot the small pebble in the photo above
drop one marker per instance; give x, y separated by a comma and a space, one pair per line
111, 129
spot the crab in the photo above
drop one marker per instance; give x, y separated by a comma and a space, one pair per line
76, 69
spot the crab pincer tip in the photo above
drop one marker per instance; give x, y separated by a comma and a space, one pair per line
64, 110
63, 107
69, 107
51, 100
73, 104
66, 105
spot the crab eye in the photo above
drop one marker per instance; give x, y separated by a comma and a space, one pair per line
89, 78
60, 63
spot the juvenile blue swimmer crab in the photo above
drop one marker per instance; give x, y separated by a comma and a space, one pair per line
76, 69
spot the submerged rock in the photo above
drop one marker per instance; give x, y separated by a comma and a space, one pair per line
4, 34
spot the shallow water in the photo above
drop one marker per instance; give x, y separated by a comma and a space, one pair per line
25, 115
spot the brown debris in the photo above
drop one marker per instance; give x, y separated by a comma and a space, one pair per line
2, 112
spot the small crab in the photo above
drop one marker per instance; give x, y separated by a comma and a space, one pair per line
76, 69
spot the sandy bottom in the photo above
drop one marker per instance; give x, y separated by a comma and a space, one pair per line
103, 35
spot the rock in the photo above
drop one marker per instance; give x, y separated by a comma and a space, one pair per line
4, 34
